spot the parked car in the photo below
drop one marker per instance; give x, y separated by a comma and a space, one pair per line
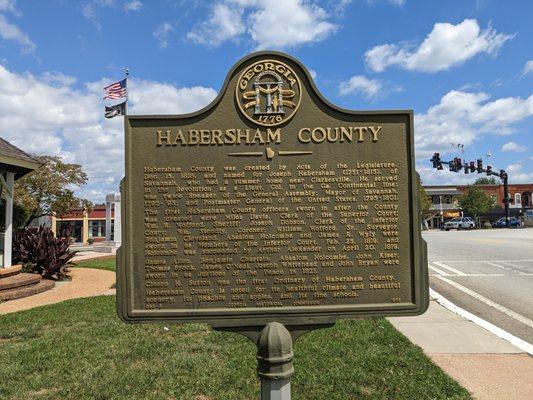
513, 223
460, 223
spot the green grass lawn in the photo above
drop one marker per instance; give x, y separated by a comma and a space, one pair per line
106, 262
79, 349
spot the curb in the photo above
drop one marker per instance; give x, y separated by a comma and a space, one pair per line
515, 341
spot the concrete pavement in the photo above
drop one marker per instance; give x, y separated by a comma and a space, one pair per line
488, 366
487, 277
487, 272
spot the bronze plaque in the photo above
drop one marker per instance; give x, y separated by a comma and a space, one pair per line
270, 204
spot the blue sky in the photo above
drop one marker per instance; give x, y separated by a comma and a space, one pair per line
464, 67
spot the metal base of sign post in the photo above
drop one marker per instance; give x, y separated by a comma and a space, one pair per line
274, 362
275, 390
274, 354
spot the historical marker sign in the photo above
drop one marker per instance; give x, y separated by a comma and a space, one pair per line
270, 204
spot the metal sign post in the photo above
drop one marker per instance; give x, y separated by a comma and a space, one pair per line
274, 362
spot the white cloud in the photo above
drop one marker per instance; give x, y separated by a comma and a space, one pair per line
270, 24
517, 175
341, 5
463, 117
134, 5
447, 45
300, 22
49, 114
161, 34
225, 23
514, 147
528, 68
150, 97
370, 88
90, 9
8, 5
10, 31
393, 2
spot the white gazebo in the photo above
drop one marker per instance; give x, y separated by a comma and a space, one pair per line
14, 164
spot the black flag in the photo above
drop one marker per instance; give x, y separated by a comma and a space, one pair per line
117, 109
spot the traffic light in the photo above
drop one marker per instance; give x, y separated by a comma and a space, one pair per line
453, 165
436, 160
489, 170
479, 165
467, 169
502, 173
472, 166
456, 165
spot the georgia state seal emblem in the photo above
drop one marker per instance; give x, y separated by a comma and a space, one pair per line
268, 92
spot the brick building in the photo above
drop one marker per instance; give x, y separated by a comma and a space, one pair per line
81, 224
445, 200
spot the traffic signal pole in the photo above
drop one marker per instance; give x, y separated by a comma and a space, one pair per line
457, 165
506, 200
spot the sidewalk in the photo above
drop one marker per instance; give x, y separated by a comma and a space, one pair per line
83, 255
86, 282
488, 366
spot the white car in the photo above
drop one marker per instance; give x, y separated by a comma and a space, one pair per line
460, 223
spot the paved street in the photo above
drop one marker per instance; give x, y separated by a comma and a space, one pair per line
486, 272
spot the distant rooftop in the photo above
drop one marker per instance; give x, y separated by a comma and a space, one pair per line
441, 190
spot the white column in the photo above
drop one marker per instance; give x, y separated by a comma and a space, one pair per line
108, 203
117, 222
8, 236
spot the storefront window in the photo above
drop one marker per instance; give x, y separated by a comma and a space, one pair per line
97, 228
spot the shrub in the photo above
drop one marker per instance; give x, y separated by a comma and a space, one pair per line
42, 253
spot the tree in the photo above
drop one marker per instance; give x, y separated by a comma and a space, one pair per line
20, 215
425, 201
49, 189
476, 201
486, 181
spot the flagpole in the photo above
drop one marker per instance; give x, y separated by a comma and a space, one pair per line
127, 71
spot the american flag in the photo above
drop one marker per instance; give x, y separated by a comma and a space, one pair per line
116, 90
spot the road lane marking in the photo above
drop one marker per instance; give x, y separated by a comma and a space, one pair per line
455, 271
515, 341
481, 275
516, 270
486, 240
438, 271
499, 266
490, 275
489, 302
480, 261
